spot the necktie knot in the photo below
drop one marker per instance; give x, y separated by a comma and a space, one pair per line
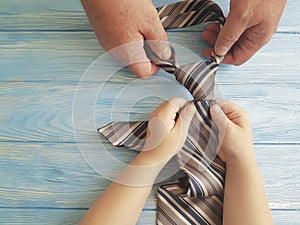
197, 77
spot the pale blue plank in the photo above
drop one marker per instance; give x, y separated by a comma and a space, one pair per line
70, 217
35, 6
58, 176
58, 57
39, 162
42, 111
69, 15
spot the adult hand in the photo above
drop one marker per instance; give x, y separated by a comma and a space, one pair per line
118, 23
235, 130
249, 26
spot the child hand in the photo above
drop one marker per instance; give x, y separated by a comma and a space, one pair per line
166, 133
235, 129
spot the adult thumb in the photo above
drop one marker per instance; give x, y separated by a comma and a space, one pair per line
229, 34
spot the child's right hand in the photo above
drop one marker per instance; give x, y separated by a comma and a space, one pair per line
235, 130
245, 200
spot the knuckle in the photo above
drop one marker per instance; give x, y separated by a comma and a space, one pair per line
243, 16
152, 24
241, 12
259, 36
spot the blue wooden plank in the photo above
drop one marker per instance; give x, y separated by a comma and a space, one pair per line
38, 111
16, 15
59, 57
45, 179
49, 216
57, 176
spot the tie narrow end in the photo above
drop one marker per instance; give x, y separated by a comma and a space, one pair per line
216, 58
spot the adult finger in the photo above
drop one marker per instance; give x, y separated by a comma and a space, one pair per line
132, 54
210, 33
213, 27
207, 53
209, 36
238, 54
233, 28
139, 62
157, 37
144, 69
248, 44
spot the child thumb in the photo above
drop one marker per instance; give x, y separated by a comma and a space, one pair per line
219, 117
185, 118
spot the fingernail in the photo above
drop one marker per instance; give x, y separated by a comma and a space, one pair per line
191, 108
216, 108
220, 50
166, 53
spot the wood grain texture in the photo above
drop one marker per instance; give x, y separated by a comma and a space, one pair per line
46, 46
61, 56
15, 15
56, 175
42, 111
70, 217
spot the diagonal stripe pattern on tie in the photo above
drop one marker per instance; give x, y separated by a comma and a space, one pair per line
196, 198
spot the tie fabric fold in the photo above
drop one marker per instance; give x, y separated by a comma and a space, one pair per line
196, 198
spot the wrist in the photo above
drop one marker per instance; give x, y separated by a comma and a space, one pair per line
152, 158
141, 171
241, 163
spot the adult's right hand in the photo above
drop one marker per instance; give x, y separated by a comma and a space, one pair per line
118, 23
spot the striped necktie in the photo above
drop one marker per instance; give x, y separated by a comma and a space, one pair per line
197, 197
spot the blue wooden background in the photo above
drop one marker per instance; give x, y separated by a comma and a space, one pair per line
45, 48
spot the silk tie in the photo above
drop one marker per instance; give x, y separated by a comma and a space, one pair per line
196, 198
